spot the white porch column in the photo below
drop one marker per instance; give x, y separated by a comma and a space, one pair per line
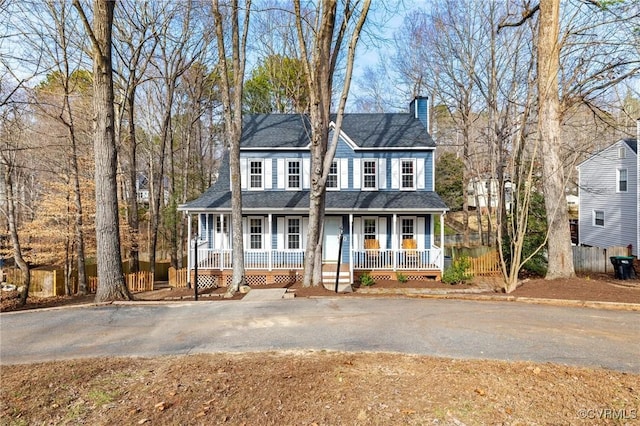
394, 240
350, 246
442, 241
270, 242
189, 264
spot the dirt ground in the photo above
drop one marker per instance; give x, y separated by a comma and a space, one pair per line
325, 388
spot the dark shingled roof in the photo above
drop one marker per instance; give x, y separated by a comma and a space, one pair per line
343, 201
399, 130
633, 144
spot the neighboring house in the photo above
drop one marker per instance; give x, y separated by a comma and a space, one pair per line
609, 185
142, 189
481, 191
380, 196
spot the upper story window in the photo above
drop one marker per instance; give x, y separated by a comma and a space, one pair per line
598, 218
369, 174
294, 174
255, 233
332, 178
255, 174
622, 180
294, 234
407, 174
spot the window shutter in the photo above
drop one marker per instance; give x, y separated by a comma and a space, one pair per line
357, 233
280, 224
268, 173
382, 173
281, 176
244, 174
245, 231
395, 173
306, 173
356, 173
344, 173
420, 231
420, 173
382, 232
305, 231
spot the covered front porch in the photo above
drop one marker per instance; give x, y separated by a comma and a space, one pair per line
381, 246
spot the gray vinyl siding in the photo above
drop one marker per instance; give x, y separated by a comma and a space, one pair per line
598, 191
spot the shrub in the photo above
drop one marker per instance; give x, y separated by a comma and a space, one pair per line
366, 280
457, 273
401, 277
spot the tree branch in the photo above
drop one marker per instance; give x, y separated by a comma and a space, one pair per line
87, 26
526, 15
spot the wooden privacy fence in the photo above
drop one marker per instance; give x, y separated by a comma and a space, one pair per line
596, 259
137, 281
487, 264
178, 277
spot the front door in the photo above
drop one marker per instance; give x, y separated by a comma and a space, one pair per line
332, 226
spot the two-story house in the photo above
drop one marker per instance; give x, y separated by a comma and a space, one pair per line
609, 194
380, 197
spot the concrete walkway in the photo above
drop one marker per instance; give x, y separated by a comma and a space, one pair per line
264, 294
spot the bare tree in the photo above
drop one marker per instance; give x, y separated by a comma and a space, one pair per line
232, 82
320, 56
111, 283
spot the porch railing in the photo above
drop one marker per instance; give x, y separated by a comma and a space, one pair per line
402, 259
378, 259
262, 259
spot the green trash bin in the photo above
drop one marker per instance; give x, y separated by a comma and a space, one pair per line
623, 267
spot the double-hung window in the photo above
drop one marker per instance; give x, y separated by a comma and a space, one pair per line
622, 180
294, 174
294, 234
598, 218
407, 174
255, 233
407, 230
370, 231
255, 174
332, 177
369, 174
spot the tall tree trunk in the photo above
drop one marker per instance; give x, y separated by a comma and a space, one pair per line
111, 283
559, 242
134, 222
13, 233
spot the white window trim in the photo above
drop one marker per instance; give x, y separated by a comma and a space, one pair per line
415, 226
286, 178
618, 180
414, 177
249, 174
377, 225
286, 233
622, 152
376, 165
262, 233
337, 187
604, 219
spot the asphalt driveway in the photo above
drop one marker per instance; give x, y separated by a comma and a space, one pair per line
444, 328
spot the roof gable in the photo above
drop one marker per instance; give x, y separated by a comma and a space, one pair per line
631, 143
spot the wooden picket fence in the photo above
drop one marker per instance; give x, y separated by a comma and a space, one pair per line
137, 281
178, 277
487, 264
596, 259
